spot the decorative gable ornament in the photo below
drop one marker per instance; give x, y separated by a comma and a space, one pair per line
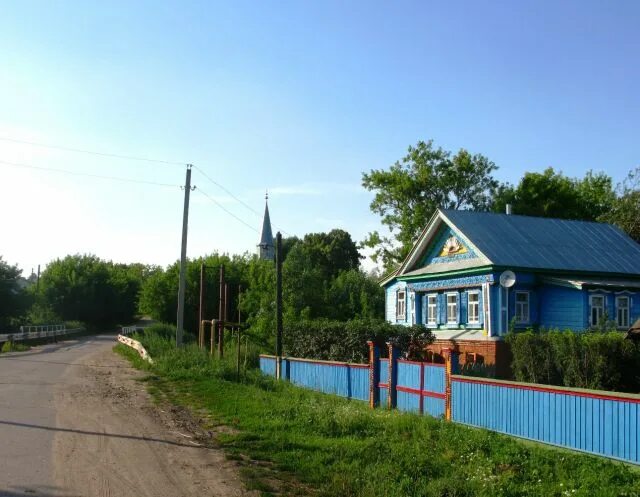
452, 247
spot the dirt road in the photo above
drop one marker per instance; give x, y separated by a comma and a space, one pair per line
75, 422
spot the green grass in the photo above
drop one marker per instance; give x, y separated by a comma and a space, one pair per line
297, 442
14, 347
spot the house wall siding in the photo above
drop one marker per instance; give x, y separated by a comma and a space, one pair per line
562, 308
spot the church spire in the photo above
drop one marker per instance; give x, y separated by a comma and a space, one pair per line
266, 248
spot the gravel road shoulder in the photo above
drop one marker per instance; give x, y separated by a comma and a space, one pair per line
112, 440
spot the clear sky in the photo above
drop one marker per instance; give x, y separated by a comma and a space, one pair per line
295, 97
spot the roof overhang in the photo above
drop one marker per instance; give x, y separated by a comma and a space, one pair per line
581, 283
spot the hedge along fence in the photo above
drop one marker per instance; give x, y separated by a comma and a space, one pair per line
346, 341
592, 360
601, 423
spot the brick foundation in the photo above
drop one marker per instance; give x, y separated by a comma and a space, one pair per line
490, 356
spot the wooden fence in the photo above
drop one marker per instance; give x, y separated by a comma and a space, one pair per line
602, 423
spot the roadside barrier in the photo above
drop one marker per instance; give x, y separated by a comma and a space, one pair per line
39, 332
134, 344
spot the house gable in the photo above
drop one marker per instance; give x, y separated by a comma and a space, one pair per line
442, 247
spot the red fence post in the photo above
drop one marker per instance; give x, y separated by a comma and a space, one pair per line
374, 374
451, 366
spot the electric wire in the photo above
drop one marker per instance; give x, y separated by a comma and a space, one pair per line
237, 199
226, 210
88, 175
134, 158
92, 152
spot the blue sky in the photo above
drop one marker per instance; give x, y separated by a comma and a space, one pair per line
296, 97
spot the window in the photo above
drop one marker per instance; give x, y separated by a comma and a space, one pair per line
432, 309
522, 307
597, 309
452, 308
401, 305
622, 311
474, 307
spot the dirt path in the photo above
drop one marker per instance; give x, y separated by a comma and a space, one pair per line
75, 422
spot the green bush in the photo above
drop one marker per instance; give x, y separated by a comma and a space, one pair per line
10, 346
347, 340
600, 361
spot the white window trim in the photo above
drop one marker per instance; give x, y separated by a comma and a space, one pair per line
628, 308
515, 308
604, 307
457, 296
435, 309
401, 316
477, 320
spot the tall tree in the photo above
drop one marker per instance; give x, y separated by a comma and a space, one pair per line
427, 178
625, 211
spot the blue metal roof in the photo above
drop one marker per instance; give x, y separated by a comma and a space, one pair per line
544, 243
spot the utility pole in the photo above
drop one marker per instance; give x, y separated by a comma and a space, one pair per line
278, 305
183, 259
38, 281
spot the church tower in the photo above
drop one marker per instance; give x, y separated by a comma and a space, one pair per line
266, 247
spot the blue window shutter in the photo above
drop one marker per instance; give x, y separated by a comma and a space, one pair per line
441, 308
463, 307
458, 306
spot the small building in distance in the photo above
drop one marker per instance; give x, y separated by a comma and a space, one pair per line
473, 276
266, 247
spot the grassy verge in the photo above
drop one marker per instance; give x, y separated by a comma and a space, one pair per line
294, 441
14, 347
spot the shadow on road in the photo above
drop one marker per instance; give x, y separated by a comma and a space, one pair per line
99, 434
36, 491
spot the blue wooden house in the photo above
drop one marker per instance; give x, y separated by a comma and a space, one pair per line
568, 275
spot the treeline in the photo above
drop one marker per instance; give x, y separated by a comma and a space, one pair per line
76, 288
321, 279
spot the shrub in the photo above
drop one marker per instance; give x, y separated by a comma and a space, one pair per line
601, 361
347, 340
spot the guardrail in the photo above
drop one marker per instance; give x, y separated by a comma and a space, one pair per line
130, 330
31, 335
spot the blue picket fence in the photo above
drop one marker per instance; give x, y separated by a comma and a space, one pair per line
421, 387
338, 378
602, 423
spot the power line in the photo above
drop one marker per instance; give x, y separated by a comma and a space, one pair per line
88, 175
227, 191
226, 210
127, 157
236, 198
92, 152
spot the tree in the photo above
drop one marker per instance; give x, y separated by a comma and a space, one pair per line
89, 289
355, 295
427, 178
625, 211
13, 299
551, 194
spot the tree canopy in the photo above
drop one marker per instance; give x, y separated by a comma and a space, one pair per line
551, 194
427, 178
